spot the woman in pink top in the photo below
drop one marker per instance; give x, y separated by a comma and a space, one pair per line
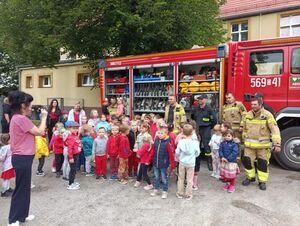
23, 150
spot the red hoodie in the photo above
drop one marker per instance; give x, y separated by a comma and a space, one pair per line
58, 144
146, 153
74, 145
153, 128
124, 147
113, 145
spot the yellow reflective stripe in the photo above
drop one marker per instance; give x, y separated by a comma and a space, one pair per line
255, 121
208, 154
275, 136
262, 176
272, 121
235, 127
231, 108
249, 144
250, 173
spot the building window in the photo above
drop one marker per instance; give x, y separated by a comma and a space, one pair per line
239, 31
85, 80
290, 25
29, 83
266, 63
45, 81
295, 63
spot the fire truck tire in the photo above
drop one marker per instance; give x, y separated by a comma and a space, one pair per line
289, 157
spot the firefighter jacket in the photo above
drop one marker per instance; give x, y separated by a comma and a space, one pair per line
204, 116
260, 130
179, 116
234, 114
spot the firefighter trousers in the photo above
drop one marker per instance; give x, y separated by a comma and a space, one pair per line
205, 134
262, 156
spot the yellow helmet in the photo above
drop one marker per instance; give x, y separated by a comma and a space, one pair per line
194, 87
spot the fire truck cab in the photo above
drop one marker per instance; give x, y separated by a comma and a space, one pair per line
270, 67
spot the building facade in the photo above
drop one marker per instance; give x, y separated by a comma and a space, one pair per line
69, 82
260, 19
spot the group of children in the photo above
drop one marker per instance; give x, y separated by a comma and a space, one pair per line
134, 148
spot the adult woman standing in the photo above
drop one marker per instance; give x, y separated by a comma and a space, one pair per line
112, 108
53, 116
23, 150
76, 113
6, 116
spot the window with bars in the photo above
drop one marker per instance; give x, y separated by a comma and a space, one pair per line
239, 31
290, 25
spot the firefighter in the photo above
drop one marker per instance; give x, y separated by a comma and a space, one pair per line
206, 118
174, 114
233, 112
260, 133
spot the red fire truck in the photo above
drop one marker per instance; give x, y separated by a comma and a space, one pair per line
270, 67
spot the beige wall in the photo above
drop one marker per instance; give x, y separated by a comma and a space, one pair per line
64, 85
261, 27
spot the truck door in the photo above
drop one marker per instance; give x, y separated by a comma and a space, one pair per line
294, 77
267, 73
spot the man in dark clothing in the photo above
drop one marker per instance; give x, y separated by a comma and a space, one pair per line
206, 118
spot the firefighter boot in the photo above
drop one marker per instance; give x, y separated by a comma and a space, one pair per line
247, 181
262, 186
209, 163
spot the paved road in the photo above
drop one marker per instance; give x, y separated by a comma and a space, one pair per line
109, 203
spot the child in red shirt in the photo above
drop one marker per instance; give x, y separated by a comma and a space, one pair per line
73, 144
145, 153
57, 145
124, 153
113, 151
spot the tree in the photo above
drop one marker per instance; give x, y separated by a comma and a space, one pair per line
33, 31
8, 75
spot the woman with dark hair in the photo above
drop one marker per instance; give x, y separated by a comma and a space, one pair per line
6, 116
22, 133
53, 117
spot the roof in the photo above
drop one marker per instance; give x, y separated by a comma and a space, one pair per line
234, 9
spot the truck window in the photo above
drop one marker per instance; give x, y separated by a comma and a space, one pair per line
295, 67
266, 63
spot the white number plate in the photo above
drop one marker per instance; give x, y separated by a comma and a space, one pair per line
265, 82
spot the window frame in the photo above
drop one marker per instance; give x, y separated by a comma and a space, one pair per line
42, 81
291, 65
289, 26
81, 80
240, 31
29, 84
266, 51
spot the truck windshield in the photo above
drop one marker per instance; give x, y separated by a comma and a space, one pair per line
266, 63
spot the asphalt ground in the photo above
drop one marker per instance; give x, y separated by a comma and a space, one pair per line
103, 202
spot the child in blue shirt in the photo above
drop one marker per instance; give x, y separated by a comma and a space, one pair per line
87, 146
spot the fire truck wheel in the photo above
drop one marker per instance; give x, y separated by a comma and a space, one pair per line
289, 157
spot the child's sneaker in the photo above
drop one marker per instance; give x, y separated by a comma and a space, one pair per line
88, 174
164, 195
189, 197
195, 187
53, 170
113, 177
57, 175
213, 174
66, 179
40, 174
180, 196
154, 192
104, 177
148, 187
130, 174
73, 187
124, 182
77, 184
231, 189
137, 184
226, 186
98, 177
